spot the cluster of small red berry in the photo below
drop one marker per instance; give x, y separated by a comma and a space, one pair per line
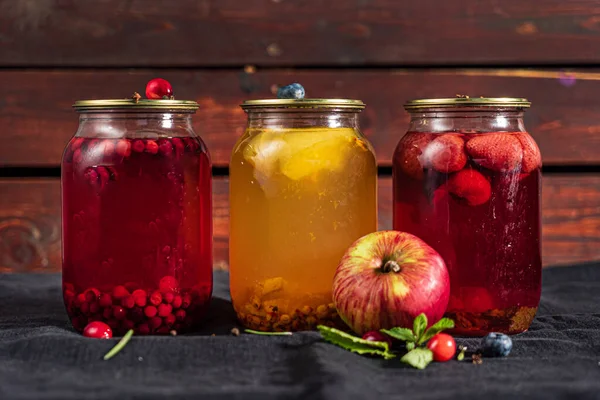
128, 307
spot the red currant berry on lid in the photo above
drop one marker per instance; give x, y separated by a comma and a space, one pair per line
443, 347
97, 330
157, 88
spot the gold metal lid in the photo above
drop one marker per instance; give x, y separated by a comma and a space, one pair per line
303, 103
133, 105
466, 101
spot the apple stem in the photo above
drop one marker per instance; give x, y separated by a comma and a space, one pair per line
391, 266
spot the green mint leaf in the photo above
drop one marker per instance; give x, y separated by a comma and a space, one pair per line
442, 324
419, 326
355, 344
410, 346
418, 358
404, 334
119, 346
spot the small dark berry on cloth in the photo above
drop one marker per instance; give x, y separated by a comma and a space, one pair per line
292, 91
496, 345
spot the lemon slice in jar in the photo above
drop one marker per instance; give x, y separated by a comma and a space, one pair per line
315, 151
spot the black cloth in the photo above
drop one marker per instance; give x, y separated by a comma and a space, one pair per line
41, 357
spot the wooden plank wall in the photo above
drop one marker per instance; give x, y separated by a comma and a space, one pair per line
219, 53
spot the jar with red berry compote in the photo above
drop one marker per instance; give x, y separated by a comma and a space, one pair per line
136, 217
467, 181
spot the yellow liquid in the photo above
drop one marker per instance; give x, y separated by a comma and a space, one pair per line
299, 198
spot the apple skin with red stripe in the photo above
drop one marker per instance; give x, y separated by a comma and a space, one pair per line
388, 278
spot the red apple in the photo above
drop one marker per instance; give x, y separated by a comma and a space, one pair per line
386, 279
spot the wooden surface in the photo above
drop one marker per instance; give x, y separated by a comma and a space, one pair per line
140, 33
30, 221
37, 119
219, 53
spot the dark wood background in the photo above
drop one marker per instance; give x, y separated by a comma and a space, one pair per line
53, 52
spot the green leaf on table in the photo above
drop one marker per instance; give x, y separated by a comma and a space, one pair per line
418, 358
442, 324
355, 344
404, 334
419, 325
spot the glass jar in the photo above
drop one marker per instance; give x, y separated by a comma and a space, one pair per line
467, 181
136, 217
303, 188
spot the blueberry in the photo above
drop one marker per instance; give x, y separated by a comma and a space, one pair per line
496, 345
292, 91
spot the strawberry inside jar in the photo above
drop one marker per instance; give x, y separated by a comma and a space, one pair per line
467, 181
137, 231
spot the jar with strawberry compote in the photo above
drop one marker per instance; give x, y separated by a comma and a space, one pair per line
467, 181
137, 219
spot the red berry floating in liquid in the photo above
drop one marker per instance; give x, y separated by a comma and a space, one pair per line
97, 330
442, 346
157, 88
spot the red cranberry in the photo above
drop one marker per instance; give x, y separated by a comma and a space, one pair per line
180, 315
143, 329
128, 302
164, 310
156, 298
107, 313
136, 314
127, 324
170, 320
158, 88
150, 311
105, 300
119, 292
123, 148
151, 147
442, 346
119, 312
97, 330
155, 322
375, 336
91, 295
69, 296
140, 301
168, 284
168, 297
176, 301
164, 146
138, 146
85, 308
94, 308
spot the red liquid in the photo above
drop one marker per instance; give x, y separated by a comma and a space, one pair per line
137, 216
484, 222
